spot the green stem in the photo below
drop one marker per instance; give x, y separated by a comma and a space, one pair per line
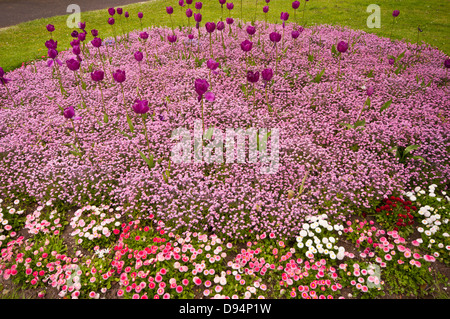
10, 96
339, 74
75, 132
123, 94
210, 45
146, 135
203, 123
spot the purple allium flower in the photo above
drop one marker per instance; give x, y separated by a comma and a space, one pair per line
246, 45
201, 87
267, 74
295, 34
97, 75
126, 15
447, 63
252, 77
51, 44
251, 30
169, 10
119, 11
52, 53
220, 25
266, 9
96, 42
369, 91
198, 17
284, 16
198, 5
295, 5
143, 35
395, 13
230, 5
212, 64
111, 21
275, 37
119, 76
210, 27
229, 20
94, 32
172, 38
69, 112
73, 64
50, 27
111, 11
189, 12
141, 106
74, 34
342, 46
76, 50
140, 15
138, 56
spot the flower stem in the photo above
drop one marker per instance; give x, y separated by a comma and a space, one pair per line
10, 96
146, 135
203, 123
123, 94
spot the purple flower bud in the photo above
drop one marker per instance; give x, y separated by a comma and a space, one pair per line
266, 9
251, 30
188, 12
230, 5
284, 16
369, 91
119, 76
252, 77
212, 64
69, 112
82, 36
198, 5
111, 21
76, 50
126, 15
141, 106
295, 5
119, 11
50, 27
140, 15
342, 46
73, 64
51, 44
267, 1
229, 20
74, 34
138, 56
210, 27
143, 35
267, 74
395, 13
96, 42
447, 63
220, 25
52, 53
295, 34
191, 36
246, 45
97, 75
275, 37
201, 86
198, 17
172, 38
111, 11
169, 10
82, 25
94, 32
391, 61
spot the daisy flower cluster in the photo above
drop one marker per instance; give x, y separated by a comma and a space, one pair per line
93, 226
396, 214
11, 221
45, 220
363, 234
363, 278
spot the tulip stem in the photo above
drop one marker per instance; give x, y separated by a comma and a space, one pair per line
303, 18
203, 123
210, 45
75, 132
101, 59
10, 96
123, 94
103, 101
339, 74
146, 134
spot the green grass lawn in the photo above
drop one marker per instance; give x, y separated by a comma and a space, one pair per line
25, 42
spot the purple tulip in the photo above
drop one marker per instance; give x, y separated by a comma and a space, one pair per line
251, 30
111, 11
447, 63
96, 42
295, 34
191, 36
97, 75
50, 27
300, 29
138, 56
143, 35
212, 64
266, 9
391, 61
220, 25
181, 3
141, 106
395, 13
74, 34
119, 76
140, 15
2, 78
198, 5
267, 74
295, 5
82, 36
246, 45
284, 16
126, 15
229, 20
52, 53
222, 2
267, 1
76, 50
172, 38
82, 25
51, 44
94, 32
369, 91
342, 46
209, 96
201, 86
189, 12
252, 77
73, 64
275, 37
210, 27
198, 17
74, 42
111, 21
119, 11
169, 10
230, 5
189, 1
69, 112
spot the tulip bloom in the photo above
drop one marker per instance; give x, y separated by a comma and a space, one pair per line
201, 87
395, 14
119, 77
275, 37
98, 76
267, 75
198, 6
210, 27
342, 48
69, 114
4, 81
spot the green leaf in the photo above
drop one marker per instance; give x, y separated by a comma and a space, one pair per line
333, 50
360, 123
130, 124
310, 57
348, 125
208, 134
370, 74
386, 105
319, 76
397, 71
105, 118
125, 134
149, 161
400, 56
410, 148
